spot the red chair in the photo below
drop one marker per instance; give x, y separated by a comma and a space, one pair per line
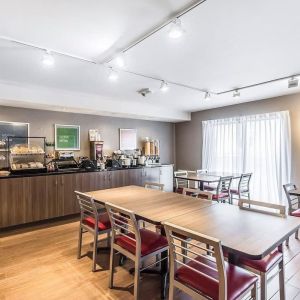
131, 241
264, 266
243, 189
222, 192
180, 183
294, 204
89, 213
205, 276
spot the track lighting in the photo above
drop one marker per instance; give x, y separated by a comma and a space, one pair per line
113, 75
164, 87
176, 30
236, 94
207, 96
293, 82
48, 59
119, 61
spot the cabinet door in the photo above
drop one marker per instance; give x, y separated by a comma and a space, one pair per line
133, 177
15, 204
117, 178
150, 175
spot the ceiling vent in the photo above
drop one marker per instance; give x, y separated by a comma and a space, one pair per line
144, 92
293, 82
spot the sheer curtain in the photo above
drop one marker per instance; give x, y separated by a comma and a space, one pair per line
258, 144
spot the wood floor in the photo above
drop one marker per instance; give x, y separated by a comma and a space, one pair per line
40, 263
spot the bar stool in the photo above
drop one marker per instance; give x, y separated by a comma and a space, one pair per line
243, 189
131, 241
293, 203
264, 266
205, 276
92, 220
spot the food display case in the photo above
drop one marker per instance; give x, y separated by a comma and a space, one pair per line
27, 154
3, 155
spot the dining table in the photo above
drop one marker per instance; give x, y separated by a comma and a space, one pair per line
242, 233
211, 177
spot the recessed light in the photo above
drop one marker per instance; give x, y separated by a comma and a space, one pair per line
113, 75
164, 87
48, 59
207, 96
119, 61
236, 94
176, 29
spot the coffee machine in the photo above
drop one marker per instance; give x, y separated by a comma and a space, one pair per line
96, 150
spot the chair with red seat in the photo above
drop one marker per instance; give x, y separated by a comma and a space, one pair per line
294, 204
205, 276
129, 240
264, 266
243, 188
89, 213
222, 192
179, 182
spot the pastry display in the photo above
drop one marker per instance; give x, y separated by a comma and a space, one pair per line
25, 149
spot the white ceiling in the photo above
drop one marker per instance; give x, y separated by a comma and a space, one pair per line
227, 44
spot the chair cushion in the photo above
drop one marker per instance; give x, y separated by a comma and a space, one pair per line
179, 190
296, 213
103, 222
150, 242
234, 191
262, 265
209, 187
220, 196
238, 279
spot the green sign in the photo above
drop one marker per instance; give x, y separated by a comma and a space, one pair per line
67, 137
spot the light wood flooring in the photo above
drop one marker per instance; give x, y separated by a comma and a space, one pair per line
40, 263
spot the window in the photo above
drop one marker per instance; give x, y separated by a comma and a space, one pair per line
258, 144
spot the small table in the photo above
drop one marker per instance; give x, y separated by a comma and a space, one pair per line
207, 178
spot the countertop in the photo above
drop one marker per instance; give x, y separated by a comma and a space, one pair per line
77, 171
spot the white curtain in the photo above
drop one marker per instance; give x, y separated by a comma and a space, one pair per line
258, 144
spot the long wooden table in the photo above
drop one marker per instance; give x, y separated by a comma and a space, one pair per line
207, 177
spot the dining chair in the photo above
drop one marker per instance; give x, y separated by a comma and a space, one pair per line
197, 193
154, 185
222, 192
202, 275
134, 243
180, 183
263, 267
94, 220
293, 204
243, 188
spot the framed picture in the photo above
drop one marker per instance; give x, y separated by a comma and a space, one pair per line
67, 137
13, 129
127, 139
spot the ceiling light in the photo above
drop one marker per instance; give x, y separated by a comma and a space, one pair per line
176, 30
207, 96
48, 59
113, 75
236, 94
293, 82
120, 61
164, 87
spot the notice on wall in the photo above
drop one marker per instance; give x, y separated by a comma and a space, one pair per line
67, 137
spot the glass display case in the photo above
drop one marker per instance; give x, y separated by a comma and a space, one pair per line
27, 154
3, 155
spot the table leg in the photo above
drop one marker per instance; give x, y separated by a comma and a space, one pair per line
201, 185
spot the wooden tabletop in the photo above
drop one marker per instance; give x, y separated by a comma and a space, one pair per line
151, 205
295, 192
242, 232
209, 177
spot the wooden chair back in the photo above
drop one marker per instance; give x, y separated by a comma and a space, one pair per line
123, 222
181, 183
263, 207
197, 193
195, 248
244, 182
154, 185
293, 201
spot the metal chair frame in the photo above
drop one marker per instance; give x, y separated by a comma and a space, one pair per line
123, 221
280, 263
223, 186
192, 249
243, 187
88, 208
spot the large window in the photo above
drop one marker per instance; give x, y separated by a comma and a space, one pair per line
259, 144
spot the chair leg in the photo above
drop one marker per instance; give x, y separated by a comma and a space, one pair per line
254, 291
263, 286
183, 251
136, 279
79, 242
287, 242
171, 289
281, 281
95, 251
111, 268
297, 234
